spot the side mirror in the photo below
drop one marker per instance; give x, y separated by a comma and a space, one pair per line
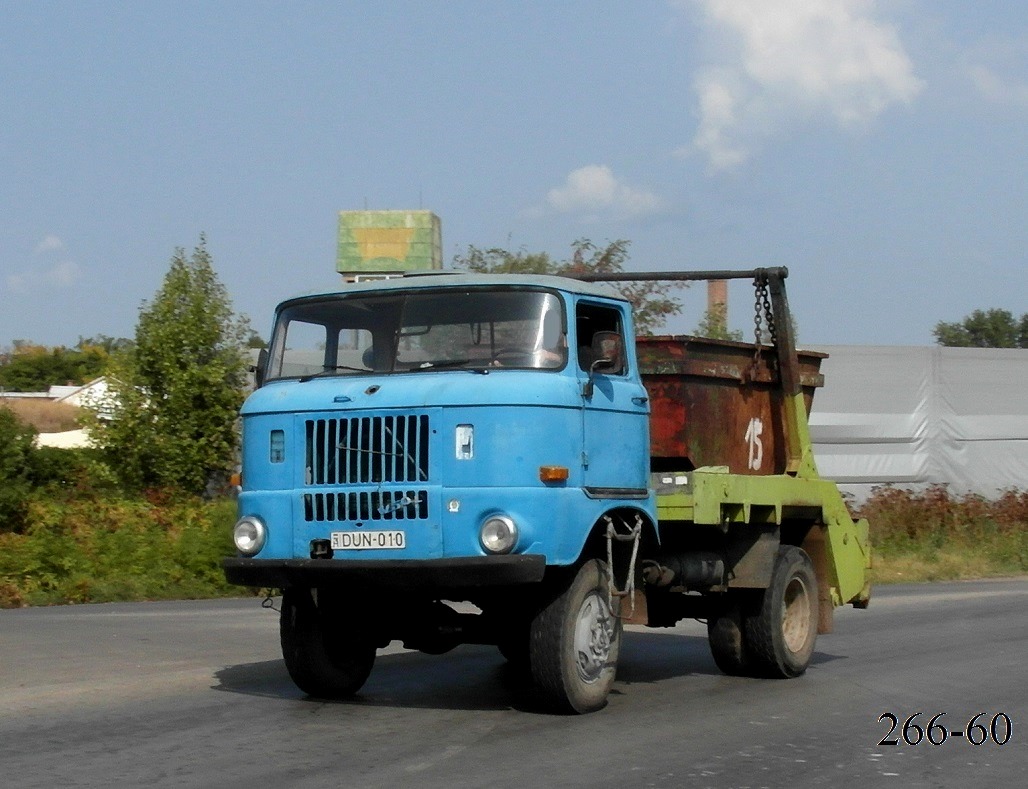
608, 347
608, 352
590, 385
260, 370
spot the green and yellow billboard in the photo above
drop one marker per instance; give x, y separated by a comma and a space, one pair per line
385, 242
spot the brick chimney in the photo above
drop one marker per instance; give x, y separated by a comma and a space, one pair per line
717, 294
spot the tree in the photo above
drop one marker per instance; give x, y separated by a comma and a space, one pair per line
34, 368
993, 328
177, 393
109, 345
651, 303
715, 325
255, 341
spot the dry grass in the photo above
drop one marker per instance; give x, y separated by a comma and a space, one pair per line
932, 535
45, 416
951, 565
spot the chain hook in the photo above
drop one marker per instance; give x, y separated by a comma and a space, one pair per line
269, 600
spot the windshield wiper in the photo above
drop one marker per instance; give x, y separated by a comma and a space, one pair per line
329, 369
443, 364
439, 364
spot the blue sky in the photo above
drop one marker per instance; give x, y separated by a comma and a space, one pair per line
878, 149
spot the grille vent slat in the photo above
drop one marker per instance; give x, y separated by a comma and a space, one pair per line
367, 450
387, 505
361, 450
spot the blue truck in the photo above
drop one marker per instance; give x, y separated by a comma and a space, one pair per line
455, 458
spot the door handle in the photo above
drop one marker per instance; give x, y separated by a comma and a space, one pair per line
639, 400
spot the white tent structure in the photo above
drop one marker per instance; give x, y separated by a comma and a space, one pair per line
916, 416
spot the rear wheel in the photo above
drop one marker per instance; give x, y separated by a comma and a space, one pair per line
325, 657
574, 643
781, 633
727, 637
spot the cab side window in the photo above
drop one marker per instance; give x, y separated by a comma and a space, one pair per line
600, 335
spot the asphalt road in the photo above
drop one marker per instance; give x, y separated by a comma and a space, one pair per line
195, 694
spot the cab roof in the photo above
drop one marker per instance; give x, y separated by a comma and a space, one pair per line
453, 279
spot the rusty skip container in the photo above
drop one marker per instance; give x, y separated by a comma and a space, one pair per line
710, 406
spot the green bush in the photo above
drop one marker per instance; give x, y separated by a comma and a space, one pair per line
15, 486
87, 549
81, 470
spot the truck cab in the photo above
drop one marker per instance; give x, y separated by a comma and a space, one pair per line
443, 418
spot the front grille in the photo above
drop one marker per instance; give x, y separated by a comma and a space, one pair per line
366, 449
385, 505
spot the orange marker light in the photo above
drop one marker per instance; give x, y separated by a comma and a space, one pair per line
553, 473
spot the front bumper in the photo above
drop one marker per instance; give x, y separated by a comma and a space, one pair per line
437, 575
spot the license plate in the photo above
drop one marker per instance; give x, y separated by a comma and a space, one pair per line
368, 540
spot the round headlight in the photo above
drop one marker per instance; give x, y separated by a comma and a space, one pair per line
250, 534
499, 534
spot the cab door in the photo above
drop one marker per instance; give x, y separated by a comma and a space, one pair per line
615, 407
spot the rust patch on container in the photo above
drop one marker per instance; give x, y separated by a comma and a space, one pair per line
708, 409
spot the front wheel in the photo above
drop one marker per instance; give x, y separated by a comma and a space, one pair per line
780, 635
325, 656
575, 641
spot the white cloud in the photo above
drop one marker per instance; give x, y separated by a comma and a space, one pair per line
998, 89
48, 245
593, 189
789, 59
50, 268
719, 110
64, 274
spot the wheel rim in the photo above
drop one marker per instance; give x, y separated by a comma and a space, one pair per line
796, 622
594, 635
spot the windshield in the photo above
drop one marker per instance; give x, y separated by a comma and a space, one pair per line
423, 330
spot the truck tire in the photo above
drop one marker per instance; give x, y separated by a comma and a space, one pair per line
513, 645
574, 643
324, 658
780, 634
727, 638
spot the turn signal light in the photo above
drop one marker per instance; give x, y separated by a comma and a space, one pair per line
553, 473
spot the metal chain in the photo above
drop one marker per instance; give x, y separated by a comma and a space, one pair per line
759, 287
612, 590
269, 600
769, 314
761, 311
